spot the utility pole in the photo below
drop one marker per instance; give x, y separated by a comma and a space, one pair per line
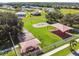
13, 44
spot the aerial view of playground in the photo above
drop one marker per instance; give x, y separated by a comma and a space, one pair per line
39, 29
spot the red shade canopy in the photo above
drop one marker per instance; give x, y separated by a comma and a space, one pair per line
61, 27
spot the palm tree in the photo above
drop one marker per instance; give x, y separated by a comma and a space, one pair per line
73, 44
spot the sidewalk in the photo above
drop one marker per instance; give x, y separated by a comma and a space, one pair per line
57, 49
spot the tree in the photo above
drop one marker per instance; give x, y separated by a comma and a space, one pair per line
73, 44
9, 22
76, 19
68, 19
54, 16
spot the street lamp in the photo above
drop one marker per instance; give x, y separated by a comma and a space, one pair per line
13, 43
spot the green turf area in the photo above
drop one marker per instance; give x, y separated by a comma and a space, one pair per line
43, 34
67, 11
65, 51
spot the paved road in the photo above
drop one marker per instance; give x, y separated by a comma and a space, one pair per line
57, 49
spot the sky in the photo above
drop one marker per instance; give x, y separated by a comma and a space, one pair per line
5, 1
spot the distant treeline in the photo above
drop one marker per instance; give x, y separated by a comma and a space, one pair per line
44, 4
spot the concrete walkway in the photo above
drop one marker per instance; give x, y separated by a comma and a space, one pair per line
57, 49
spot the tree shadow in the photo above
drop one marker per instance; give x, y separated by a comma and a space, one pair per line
74, 52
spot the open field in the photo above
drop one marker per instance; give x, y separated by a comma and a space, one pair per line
71, 11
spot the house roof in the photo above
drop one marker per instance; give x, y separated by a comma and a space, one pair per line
36, 12
34, 43
20, 13
61, 27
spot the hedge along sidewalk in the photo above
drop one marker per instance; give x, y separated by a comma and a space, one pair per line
57, 49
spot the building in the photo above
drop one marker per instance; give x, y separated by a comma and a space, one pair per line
62, 30
36, 13
29, 44
7, 7
49, 10
23, 8
21, 14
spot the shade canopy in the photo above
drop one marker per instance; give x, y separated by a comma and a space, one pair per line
61, 27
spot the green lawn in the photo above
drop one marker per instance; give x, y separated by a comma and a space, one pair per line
65, 51
72, 11
43, 34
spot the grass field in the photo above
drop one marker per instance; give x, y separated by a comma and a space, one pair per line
65, 51
42, 34
71, 11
